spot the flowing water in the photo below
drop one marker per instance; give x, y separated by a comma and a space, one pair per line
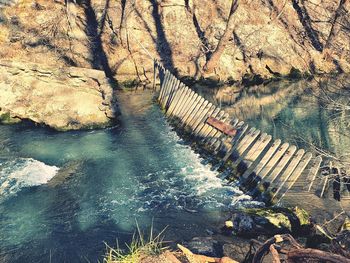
62, 195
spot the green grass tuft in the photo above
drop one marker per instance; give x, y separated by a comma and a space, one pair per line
138, 249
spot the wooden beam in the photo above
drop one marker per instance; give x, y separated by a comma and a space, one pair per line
221, 126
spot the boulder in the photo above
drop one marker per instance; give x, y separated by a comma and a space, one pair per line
62, 98
269, 221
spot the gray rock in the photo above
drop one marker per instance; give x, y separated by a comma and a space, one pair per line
205, 246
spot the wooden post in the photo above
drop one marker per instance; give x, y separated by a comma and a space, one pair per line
154, 74
187, 102
244, 143
314, 171
162, 86
167, 91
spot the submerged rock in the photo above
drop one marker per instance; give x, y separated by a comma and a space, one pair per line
64, 99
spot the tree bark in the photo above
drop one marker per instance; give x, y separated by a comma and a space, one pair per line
213, 61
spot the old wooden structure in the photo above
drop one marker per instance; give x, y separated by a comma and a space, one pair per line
265, 167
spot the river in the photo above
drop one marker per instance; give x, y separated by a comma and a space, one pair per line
62, 195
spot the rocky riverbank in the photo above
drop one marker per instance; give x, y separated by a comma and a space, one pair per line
62, 98
254, 38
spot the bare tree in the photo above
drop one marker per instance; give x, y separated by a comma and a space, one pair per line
335, 28
213, 61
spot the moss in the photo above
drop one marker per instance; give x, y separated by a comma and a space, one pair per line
279, 220
6, 118
302, 216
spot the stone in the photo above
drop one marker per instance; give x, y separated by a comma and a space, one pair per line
270, 221
205, 246
270, 37
45, 95
237, 249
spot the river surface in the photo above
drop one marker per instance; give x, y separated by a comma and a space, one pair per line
62, 195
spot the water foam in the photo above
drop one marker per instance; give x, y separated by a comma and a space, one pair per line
23, 172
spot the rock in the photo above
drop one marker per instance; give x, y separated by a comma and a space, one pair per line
205, 246
238, 248
270, 221
64, 99
270, 37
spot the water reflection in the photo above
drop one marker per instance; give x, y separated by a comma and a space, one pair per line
309, 113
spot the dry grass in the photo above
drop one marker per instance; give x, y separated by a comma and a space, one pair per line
137, 250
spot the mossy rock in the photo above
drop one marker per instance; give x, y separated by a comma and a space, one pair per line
6, 118
271, 221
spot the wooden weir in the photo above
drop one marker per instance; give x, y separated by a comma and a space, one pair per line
264, 166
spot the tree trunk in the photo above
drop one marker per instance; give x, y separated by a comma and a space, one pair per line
213, 61
334, 29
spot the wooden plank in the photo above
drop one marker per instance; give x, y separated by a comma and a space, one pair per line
281, 164
196, 113
294, 161
176, 100
252, 150
187, 102
324, 185
221, 126
205, 129
162, 87
314, 171
263, 161
289, 182
257, 150
223, 137
193, 106
172, 95
154, 74
180, 104
243, 141
209, 130
240, 135
216, 133
168, 91
271, 163
200, 120
201, 123
241, 149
